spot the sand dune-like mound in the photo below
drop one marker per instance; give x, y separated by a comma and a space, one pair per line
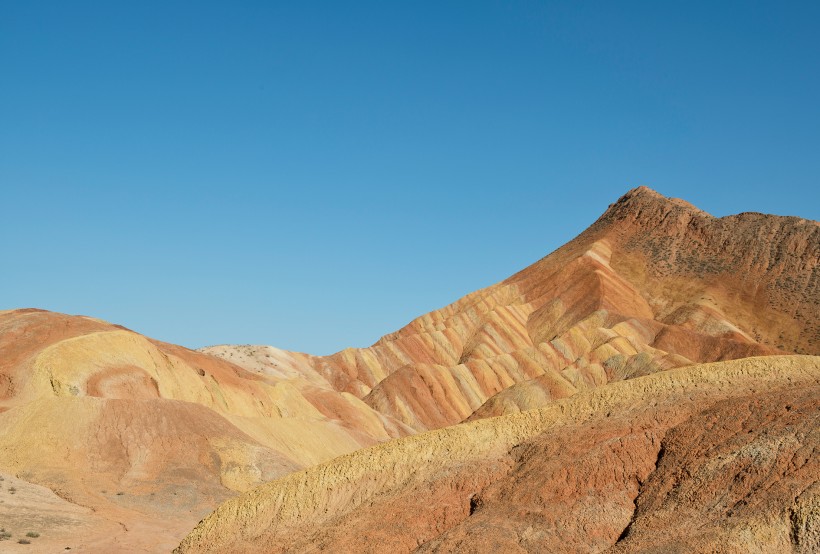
604, 468
148, 434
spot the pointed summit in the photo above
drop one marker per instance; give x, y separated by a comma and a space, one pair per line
642, 191
643, 202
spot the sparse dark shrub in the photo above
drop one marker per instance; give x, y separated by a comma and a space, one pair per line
33, 534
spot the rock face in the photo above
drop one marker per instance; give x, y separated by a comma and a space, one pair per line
740, 476
716, 457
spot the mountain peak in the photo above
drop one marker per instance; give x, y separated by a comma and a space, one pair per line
642, 191
643, 203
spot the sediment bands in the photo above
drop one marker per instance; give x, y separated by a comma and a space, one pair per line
277, 515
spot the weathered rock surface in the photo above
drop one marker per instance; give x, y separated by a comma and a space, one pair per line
742, 476
711, 458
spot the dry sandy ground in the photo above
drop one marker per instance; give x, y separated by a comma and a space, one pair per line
127, 523
61, 525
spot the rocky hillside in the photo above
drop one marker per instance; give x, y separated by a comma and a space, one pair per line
654, 284
126, 442
710, 458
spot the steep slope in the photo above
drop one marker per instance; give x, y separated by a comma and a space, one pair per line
726, 448
653, 284
148, 433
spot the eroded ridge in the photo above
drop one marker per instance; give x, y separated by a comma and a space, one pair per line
569, 473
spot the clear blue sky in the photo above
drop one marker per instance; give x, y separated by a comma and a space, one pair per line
313, 175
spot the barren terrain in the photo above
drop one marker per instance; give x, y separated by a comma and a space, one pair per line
652, 384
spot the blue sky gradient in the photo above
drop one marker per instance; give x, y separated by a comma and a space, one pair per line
313, 175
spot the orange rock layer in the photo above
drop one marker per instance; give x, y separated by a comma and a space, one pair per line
709, 458
653, 284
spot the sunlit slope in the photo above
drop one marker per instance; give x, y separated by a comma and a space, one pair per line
563, 476
654, 284
142, 430
153, 435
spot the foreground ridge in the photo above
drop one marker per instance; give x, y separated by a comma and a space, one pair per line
334, 505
